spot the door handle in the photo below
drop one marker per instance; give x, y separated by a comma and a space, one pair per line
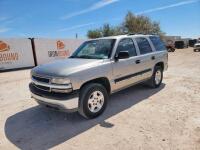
137, 61
153, 57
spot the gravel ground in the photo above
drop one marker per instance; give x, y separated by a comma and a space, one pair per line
136, 118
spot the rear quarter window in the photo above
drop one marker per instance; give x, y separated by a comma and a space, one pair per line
158, 43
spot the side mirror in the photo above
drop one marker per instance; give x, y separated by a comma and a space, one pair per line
122, 55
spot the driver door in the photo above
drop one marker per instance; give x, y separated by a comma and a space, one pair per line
124, 69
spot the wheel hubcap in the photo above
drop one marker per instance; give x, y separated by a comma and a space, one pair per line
158, 76
96, 101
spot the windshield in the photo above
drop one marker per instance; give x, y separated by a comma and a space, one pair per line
95, 49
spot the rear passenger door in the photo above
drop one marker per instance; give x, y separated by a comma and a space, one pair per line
146, 59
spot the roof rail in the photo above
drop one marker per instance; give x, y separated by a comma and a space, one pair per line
137, 34
153, 34
131, 34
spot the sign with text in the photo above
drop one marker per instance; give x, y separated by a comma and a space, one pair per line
15, 53
48, 50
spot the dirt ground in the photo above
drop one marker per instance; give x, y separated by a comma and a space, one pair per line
136, 118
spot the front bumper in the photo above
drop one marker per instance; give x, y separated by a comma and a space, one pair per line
62, 102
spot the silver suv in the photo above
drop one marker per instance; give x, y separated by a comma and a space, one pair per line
197, 46
98, 68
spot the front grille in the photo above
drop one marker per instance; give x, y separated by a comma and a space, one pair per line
53, 95
44, 88
198, 46
41, 79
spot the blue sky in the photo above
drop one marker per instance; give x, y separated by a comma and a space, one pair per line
65, 18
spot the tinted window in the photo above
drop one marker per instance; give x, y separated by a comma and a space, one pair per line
127, 45
158, 44
143, 45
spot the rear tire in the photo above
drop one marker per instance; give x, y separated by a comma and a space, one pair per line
92, 100
169, 50
156, 78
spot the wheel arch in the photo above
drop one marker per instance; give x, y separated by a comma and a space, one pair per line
160, 64
101, 80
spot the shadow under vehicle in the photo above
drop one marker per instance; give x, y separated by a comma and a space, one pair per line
38, 128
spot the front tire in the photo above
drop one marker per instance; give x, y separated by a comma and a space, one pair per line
92, 100
157, 77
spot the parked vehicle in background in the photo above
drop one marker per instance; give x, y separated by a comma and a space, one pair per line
186, 42
192, 42
197, 46
181, 44
170, 46
98, 68
176, 42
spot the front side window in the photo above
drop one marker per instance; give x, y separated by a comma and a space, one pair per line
127, 45
143, 45
95, 49
158, 44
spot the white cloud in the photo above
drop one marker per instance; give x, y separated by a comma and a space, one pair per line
2, 30
2, 18
95, 6
168, 6
4, 22
101, 4
77, 26
162, 8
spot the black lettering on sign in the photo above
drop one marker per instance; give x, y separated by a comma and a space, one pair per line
59, 53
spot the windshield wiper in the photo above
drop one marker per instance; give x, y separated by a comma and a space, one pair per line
85, 57
73, 57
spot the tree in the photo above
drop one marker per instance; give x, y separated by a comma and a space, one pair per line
141, 25
94, 34
107, 31
132, 24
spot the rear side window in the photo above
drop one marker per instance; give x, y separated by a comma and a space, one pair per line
158, 44
127, 45
143, 45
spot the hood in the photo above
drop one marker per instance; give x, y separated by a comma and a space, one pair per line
197, 44
62, 68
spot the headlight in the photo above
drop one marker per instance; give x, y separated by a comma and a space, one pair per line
60, 81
